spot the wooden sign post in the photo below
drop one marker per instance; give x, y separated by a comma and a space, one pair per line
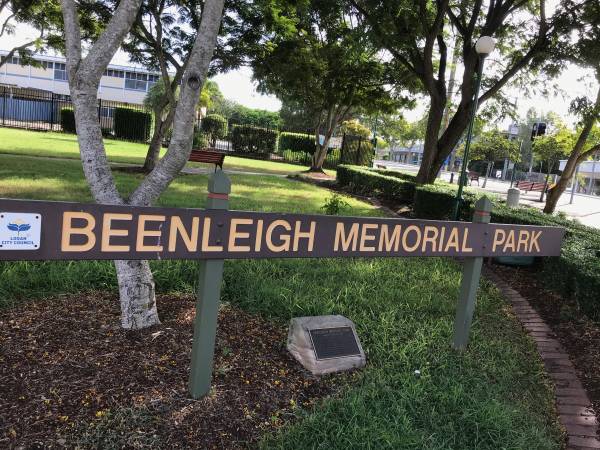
42, 230
469, 283
210, 279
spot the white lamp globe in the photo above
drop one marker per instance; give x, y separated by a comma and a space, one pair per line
485, 45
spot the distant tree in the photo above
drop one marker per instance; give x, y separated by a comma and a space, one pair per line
551, 148
316, 56
491, 146
161, 38
584, 50
417, 33
163, 114
210, 95
355, 128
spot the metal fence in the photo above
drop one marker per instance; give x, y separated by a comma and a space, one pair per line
40, 110
32, 109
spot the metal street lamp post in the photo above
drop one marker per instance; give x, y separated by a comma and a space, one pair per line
484, 46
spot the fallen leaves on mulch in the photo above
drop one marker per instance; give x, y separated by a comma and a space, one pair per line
71, 377
575, 331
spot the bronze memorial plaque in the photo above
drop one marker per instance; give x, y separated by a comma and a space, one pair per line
335, 342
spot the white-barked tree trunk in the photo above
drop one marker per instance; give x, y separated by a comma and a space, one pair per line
136, 284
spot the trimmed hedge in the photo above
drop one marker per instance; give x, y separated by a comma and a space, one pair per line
297, 142
394, 173
363, 181
132, 125
67, 120
575, 274
249, 139
438, 202
214, 127
200, 140
357, 151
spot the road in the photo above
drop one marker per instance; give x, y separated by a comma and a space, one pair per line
584, 209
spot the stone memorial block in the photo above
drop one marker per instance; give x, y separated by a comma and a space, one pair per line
325, 344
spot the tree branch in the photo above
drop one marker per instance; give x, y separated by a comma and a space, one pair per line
181, 142
108, 43
72, 37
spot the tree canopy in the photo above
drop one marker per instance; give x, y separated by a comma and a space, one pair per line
318, 58
419, 33
494, 145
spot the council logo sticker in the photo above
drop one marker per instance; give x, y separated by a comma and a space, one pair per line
20, 231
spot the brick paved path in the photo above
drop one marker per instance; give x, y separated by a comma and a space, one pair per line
573, 404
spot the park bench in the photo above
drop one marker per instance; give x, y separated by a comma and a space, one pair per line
207, 155
529, 186
473, 176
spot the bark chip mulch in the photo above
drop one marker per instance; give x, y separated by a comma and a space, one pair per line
569, 343
70, 377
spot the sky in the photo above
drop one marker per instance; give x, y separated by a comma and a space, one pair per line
238, 85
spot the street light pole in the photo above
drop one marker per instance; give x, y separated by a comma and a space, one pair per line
483, 47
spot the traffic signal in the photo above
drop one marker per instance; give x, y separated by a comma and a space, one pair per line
539, 129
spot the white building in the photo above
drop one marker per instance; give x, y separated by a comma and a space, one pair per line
588, 176
119, 83
407, 155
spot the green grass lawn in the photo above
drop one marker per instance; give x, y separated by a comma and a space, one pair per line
494, 395
62, 145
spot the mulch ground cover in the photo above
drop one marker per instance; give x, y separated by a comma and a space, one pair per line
575, 331
70, 377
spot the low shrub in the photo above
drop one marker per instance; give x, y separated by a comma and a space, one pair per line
367, 182
200, 140
297, 142
132, 125
576, 273
249, 139
67, 120
439, 202
394, 173
214, 127
357, 151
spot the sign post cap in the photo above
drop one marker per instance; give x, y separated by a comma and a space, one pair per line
219, 183
484, 204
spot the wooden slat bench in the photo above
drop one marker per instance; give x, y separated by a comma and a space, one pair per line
207, 155
530, 186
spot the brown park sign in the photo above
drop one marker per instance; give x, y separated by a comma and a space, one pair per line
43, 230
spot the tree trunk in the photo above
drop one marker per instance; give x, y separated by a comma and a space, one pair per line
155, 144
319, 156
427, 172
487, 174
137, 295
136, 285
575, 158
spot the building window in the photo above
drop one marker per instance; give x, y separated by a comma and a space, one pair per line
47, 64
60, 72
107, 111
114, 73
152, 79
136, 81
15, 60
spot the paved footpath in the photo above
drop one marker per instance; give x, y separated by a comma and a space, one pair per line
572, 402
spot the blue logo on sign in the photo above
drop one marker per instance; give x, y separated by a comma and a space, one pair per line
18, 226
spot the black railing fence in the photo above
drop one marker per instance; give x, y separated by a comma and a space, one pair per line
46, 111
41, 111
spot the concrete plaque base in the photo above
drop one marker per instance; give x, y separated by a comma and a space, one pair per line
300, 344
